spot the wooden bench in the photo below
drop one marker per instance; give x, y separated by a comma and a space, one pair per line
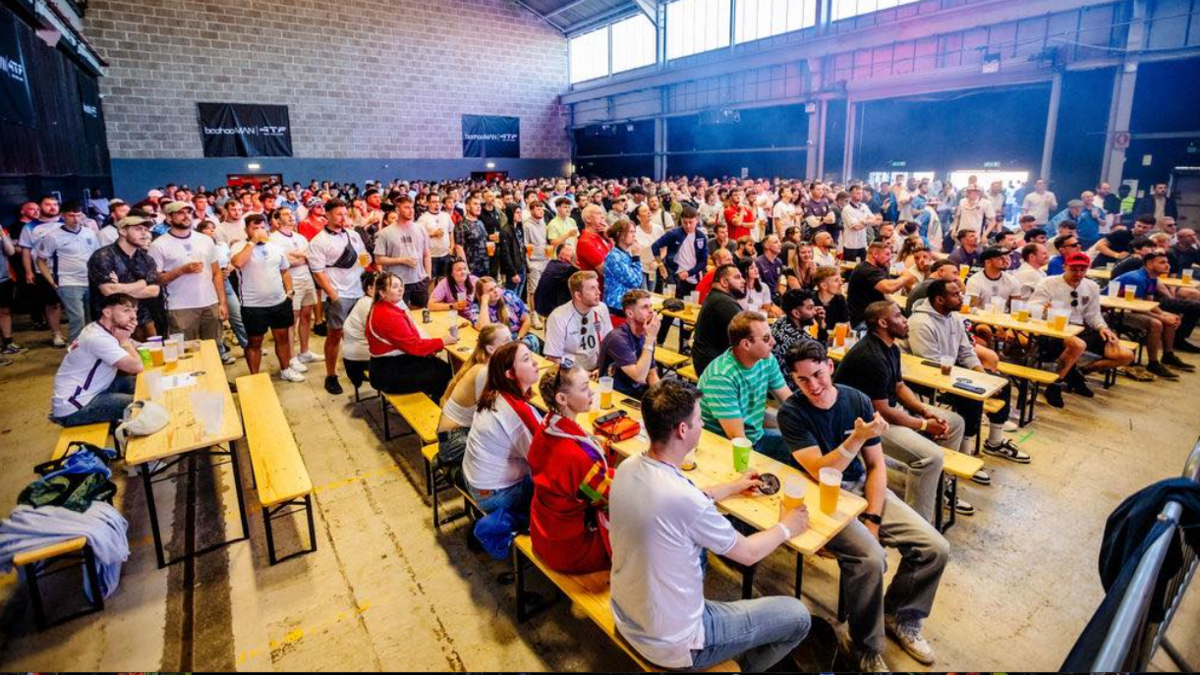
417, 410
280, 476
668, 359
955, 465
588, 592
1029, 383
75, 551
688, 372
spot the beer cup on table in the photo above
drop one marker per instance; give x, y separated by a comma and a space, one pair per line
1130, 293
606, 393
831, 488
946, 363
793, 492
741, 454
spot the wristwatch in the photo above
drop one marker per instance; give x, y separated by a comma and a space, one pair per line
871, 518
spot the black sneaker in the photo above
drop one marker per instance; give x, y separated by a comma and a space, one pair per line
1160, 370
1079, 385
332, 385
1008, 450
1169, 359
1054, 394
1186, 347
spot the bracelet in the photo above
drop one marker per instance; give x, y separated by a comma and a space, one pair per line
847, 454
924, 424
787, 533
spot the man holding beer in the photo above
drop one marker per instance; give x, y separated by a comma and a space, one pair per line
834, 430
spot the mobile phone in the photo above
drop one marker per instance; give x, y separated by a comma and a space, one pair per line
931, 364
631, 403
966, 386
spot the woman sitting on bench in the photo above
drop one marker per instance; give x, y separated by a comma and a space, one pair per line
568, 520
461, 397
494, 465
403, 362
356, 353
454, 291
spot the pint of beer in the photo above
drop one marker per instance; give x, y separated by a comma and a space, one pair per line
831, 488
606, 393
839, 334
1130, 293
528, 250
491, 248
550, 252
793, 492
364, 259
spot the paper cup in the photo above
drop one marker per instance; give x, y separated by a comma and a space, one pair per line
741, 454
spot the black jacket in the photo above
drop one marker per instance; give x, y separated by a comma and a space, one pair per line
552, 290
512, 250
1145, 205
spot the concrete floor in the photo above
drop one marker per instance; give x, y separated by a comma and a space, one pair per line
387, 591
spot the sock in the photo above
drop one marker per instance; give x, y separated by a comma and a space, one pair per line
995, 433
968, 445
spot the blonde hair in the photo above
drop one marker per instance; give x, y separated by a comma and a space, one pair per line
555, 380
488, 337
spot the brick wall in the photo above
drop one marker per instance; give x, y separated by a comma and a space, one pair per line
362, 78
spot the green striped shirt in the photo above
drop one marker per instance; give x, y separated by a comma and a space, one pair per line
732, 392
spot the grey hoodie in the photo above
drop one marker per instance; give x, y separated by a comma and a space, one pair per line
932, 336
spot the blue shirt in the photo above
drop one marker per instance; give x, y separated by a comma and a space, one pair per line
1055, 268
1146, 287
622, 273
622, 348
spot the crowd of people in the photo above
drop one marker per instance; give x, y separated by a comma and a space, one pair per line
569, 270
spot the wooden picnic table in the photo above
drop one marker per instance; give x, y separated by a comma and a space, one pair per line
914, 370
1105, 275
185, 436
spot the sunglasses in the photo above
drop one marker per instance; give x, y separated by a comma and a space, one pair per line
1074, 298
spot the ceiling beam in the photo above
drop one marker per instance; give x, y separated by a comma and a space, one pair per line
541, 16
599, 19
650, 9
566, 8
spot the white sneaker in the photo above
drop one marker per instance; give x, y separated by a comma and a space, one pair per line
1011, 426
872, 663
298, 366
290, 375
59, 341
308, 357
908, 634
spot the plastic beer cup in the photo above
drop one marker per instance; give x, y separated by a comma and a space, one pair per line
839, 334
831, 488
741, 454
156, 354
793, 492
1130, 293
1188, 275
946, 363
606, 393
491, 246
528, 250
364, 259
549, 251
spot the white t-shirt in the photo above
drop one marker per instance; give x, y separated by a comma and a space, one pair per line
67, 253
325, 249
853, 215
108, 235
1039, 206
783, 213
497, 446
354, 332
660, 525
980, 286
644, 241
293, 243
1029, 277
187, 291
754, 300
231, 232
439, 247
575, 336
30, 237
88, 369
824, 259
262, 279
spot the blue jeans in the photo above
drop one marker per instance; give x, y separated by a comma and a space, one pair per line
756, 633
515, 498
771, 444
75, 301
107, 406
235, 315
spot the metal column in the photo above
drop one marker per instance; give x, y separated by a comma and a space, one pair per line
1121, 109
1051, 126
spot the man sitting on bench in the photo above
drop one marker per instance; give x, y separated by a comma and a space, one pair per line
661, 525
93, 384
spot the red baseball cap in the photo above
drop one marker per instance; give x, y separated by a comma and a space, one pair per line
1078, 260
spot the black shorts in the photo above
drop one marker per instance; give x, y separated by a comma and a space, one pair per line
258, 320
6, 294
1052, 348
43, 294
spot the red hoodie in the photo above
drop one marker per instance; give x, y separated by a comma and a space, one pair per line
391, 330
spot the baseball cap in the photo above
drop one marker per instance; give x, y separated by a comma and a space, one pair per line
174, 207
1075, 202
116, 202
974, 186
155, 194
314, 202
1078, 259
130, 221
990, 253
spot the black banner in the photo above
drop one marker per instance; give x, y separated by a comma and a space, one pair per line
243, 130
490, 136
16, 105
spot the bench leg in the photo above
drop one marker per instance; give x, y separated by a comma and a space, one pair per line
383, 410
939, 514
748, 573
35, 595
271, 557
1022, 400
89, 562
799, 574
519, 573
842, 612
952, 490
429, 487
